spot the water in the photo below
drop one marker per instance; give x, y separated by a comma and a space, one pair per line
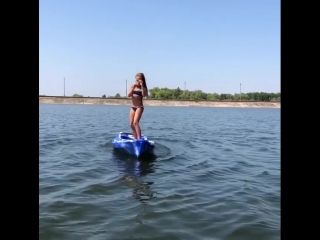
216, 174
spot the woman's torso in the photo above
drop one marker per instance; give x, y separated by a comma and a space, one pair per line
137, 97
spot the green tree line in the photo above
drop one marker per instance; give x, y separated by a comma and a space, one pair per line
198, 95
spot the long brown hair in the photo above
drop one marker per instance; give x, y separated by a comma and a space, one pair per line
143, 80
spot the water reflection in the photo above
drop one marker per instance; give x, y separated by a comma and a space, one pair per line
133, 170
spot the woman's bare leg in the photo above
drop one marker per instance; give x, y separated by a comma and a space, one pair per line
131, 115
136, 120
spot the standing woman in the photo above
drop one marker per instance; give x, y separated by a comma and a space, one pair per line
137, 92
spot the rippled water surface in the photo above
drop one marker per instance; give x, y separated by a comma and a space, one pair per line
216, 174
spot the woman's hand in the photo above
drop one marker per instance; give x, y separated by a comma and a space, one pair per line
133, 86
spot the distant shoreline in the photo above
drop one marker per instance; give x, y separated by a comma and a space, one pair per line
155, 102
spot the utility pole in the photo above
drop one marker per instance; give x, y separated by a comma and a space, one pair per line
64, 86
126, 89
240, 91
185, 85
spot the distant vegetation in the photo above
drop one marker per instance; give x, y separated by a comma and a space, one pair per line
77, 95
198, 95
116, 96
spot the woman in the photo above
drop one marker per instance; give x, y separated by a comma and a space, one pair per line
137, 92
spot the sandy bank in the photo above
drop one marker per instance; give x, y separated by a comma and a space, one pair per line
148, 102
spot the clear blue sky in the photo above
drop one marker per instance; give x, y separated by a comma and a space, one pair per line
212, 45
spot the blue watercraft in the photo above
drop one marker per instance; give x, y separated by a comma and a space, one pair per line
137, 147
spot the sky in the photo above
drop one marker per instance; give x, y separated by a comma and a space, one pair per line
208, 45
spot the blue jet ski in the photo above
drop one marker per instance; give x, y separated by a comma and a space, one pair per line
137, 147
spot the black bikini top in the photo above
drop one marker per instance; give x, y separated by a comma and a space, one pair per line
137, 93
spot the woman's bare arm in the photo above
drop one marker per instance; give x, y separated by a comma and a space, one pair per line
131, 90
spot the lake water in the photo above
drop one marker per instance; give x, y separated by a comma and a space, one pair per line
216, 174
